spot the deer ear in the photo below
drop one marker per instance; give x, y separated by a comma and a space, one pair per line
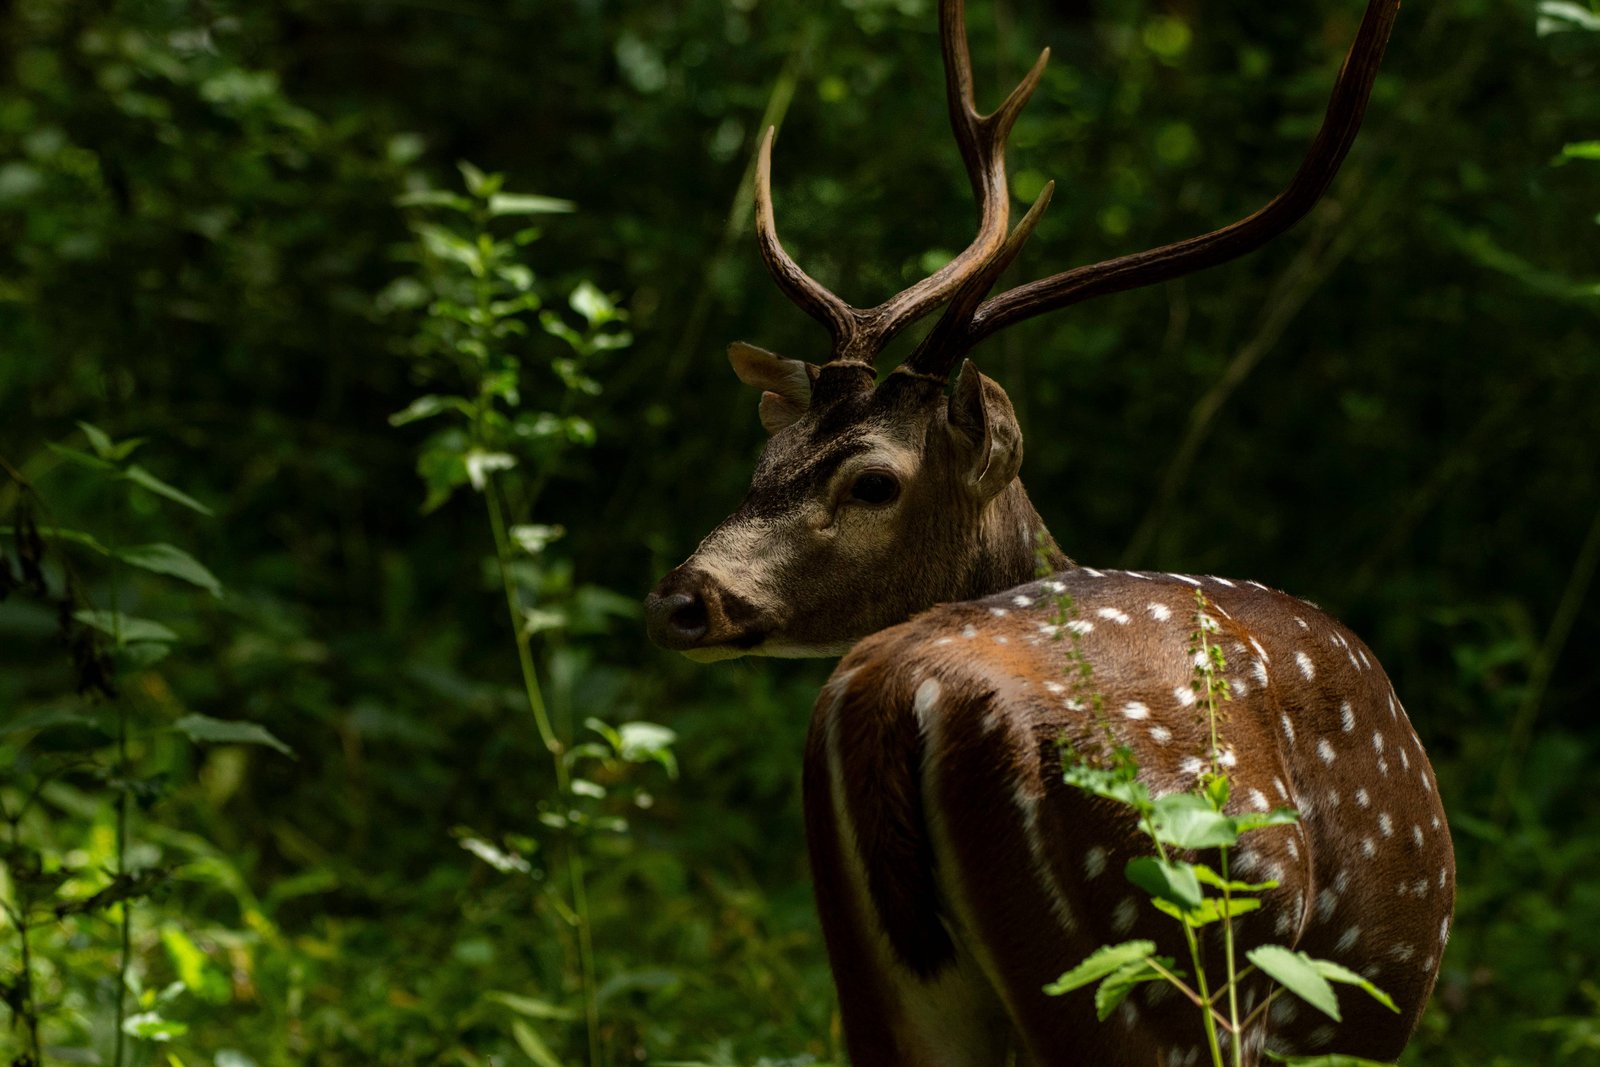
984, 427
786, 383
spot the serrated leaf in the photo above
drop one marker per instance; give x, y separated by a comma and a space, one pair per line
145, 480
128, 629
528, 204
1124, 980
1334, 972
1185, 820
1103, 961
1296, 973
1174, 882
203, 729
171, 561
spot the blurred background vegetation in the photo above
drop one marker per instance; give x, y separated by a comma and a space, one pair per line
305, 813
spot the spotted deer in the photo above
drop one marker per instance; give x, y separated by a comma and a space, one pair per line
955, 873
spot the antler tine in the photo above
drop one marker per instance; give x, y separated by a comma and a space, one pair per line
1322, 161
942, 348
813, 297
982, 141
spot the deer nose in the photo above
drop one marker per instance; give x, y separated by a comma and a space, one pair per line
676, 621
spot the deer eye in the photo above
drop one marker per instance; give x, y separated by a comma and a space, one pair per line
874, 487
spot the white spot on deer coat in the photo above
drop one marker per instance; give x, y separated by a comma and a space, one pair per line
1347, 940
1094, 862
1306, 667
1159, 612
1022, 601
1126, 912
1347, 717
1325, 751
1184, 695
1160, 734
1133, 709
926, 697
1116, 616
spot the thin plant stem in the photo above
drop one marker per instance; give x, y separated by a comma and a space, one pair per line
1233, 977
552, 744
19, 918
125, 907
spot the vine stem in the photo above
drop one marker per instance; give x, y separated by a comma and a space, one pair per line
552, 744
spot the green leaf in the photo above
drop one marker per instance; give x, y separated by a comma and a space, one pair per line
533, 1009
1174, 882
1581, 151
640, 742
533, 1045
82, 459
1211, 909
145, 480
204, 730
99, 440
1209, 877
426, 407
481, 464
1296, 972
433, 198
171, 561
1334, 972
1115, 989
528, 204
502, 860
150, 1026
1185, 820
1106, 960
535, 539
1557, 16
595, 307
1246, 821
116, 625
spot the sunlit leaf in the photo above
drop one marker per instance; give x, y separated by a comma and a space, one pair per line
1296, 973
203, 729
171, 561
1103, 961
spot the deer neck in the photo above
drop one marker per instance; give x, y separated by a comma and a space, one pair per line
1013, 545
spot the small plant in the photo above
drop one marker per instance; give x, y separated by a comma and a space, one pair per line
75, 898
1198, 895
509, 414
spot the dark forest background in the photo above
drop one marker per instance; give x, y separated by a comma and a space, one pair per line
303, 813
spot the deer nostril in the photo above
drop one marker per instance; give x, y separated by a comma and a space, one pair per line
676, 621
689, 618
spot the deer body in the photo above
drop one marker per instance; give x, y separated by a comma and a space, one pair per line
956, 872
950, 855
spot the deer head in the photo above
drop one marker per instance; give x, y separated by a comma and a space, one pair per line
875, 500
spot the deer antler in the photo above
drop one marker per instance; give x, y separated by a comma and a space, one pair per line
859, 335
1327, 152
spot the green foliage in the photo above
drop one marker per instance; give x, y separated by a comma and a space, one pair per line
1390, 411
1192, 822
